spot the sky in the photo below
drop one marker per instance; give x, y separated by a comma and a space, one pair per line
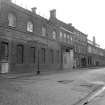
88, 16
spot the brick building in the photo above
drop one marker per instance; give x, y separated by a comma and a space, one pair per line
65, 40
31, 43
26, 43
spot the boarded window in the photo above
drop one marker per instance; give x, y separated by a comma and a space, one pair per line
20, 54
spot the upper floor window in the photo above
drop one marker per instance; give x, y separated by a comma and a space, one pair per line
61, 35
68, 38
43, 31
29, 26
11, 20
54, 35
64, 37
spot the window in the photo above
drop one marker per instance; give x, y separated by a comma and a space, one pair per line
71, 39
61, 35
11, 20
32, 54
43, 55
64, 37
4, 50
29, 26
43, 31
54, 35
68, 38
20, 54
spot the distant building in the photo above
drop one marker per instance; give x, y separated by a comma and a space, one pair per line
80, 48
96, 55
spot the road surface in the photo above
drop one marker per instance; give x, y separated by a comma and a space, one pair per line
67, 88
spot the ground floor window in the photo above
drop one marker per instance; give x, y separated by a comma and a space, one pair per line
20, 54
33, 54
4, 51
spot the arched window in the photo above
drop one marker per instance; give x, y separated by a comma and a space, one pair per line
54, 34
11, 20
29, 26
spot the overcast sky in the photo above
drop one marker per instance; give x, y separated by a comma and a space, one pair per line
86, 15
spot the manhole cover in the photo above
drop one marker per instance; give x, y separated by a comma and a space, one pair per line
65, 81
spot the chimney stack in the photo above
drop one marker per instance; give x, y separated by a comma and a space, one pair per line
53, 13
34, 10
